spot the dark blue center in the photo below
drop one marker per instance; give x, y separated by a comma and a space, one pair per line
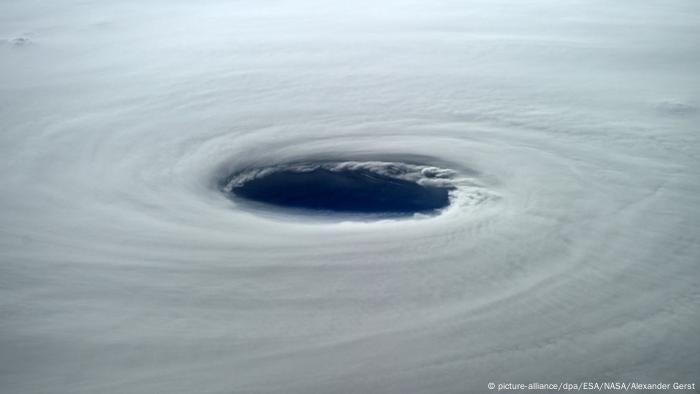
347, 190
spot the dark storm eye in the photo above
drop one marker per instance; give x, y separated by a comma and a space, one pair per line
373, 188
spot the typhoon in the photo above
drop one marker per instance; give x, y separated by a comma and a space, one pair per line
305, 196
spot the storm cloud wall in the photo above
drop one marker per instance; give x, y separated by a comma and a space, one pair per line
571, 253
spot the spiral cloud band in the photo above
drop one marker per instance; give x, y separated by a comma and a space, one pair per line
569, 250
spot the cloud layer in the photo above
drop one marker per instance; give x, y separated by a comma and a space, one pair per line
571, 255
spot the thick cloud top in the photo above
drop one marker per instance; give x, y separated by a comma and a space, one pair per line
569, 251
